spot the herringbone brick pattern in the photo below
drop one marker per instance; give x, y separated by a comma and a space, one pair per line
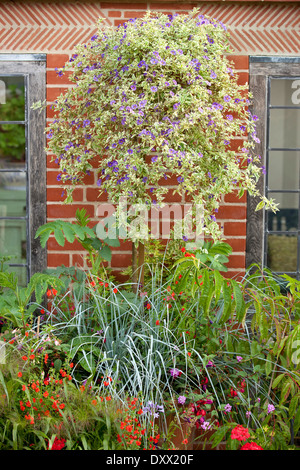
53, 26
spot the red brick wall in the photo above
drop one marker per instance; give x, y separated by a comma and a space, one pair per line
54, 28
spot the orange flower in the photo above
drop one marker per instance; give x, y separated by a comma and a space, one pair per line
24, 358
94, 402
46, 394
185, 441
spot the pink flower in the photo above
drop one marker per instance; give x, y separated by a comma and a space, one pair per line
175, 372
181, 400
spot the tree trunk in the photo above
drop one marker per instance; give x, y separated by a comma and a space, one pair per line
141, 263
138, 260
134, 268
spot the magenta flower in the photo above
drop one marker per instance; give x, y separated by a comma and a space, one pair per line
175, 372
181, 400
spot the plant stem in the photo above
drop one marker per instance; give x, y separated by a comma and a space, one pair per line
134, 268
141, 262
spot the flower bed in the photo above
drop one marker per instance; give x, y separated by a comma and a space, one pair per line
102, 367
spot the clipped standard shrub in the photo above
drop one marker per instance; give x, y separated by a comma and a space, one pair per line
157, 97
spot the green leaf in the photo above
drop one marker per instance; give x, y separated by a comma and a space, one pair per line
260, 206
58, 235
112, 242
285, 392
293, 406
268, 365
69, 232
239, 300
8, 280
105, 253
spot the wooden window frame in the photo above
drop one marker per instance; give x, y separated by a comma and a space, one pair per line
260, 68
33, 67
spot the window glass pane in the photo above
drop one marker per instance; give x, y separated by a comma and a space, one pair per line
13, 240
21, 272
284, 128
286, 219
12, 146
284, 170
12, 98
282, 252
12, 194
285, 92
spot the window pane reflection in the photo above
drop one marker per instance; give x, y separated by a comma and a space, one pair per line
286, 219
13, 240
284, 128
285, 92
284, 170
21, 272
12, 98
282, 252
12, 146
12, 194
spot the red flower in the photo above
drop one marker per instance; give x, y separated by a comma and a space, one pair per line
240, 433
58, 444
251, 446
115, 290
183, 249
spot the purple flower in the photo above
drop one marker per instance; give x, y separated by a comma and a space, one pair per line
239, 358
271, 408
180, 179
154, 89
153, 409
227, 408
175, 372
181, 400
227, 98
205, 425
